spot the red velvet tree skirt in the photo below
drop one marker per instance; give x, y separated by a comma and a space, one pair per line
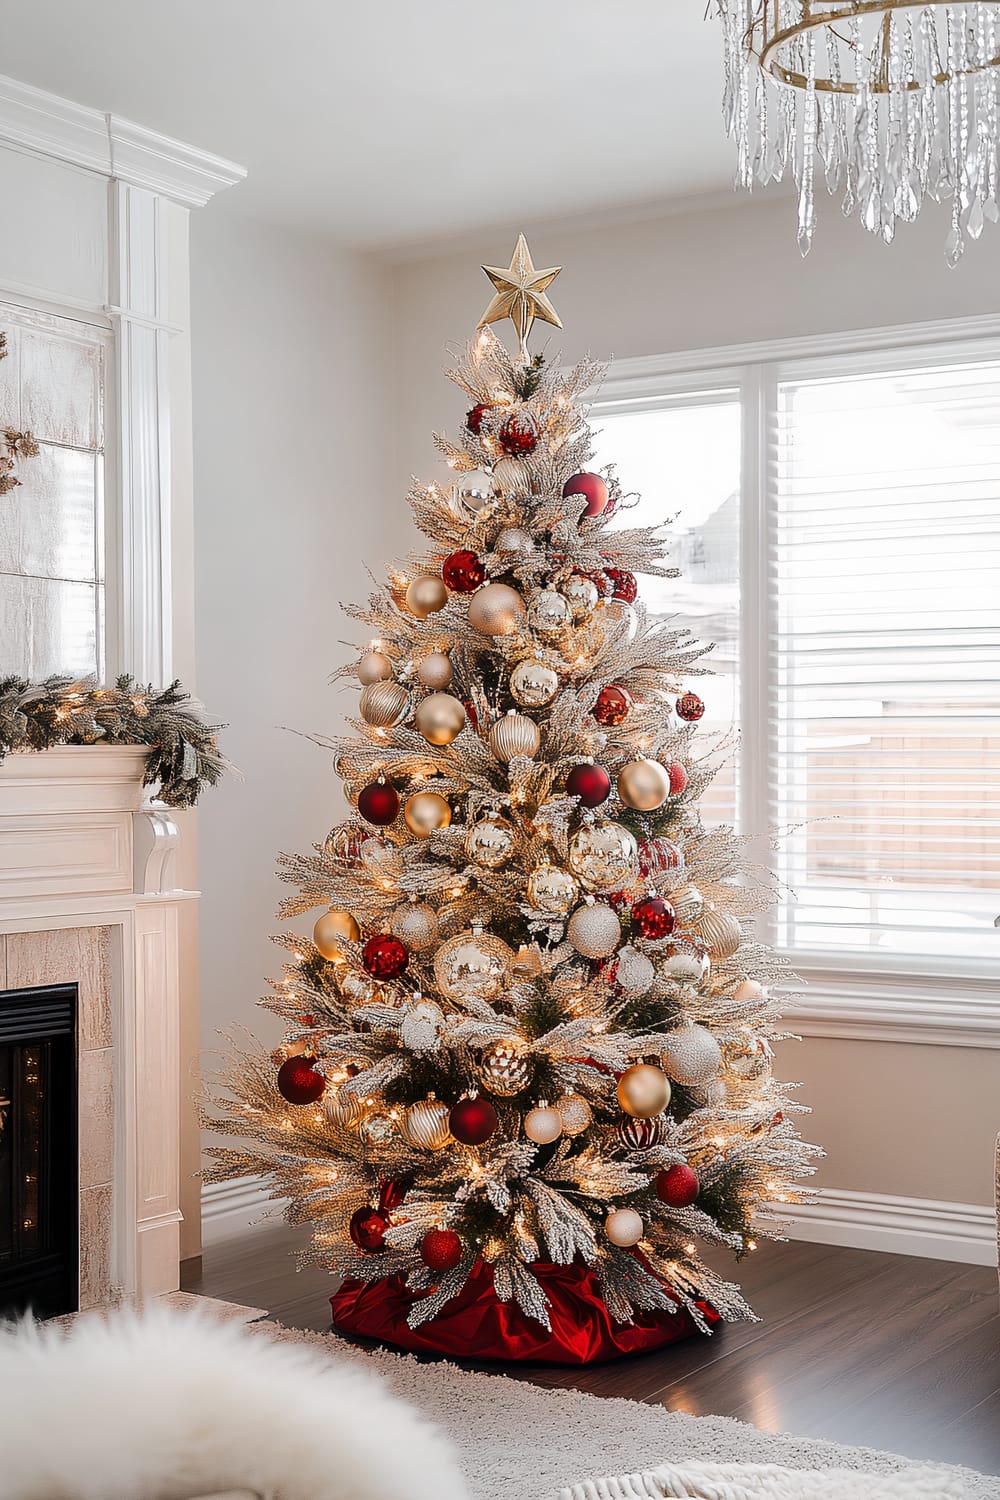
476, 1325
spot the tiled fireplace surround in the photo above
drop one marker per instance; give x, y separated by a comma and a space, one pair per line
88, 896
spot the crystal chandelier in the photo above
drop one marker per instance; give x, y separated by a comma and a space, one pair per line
889, 100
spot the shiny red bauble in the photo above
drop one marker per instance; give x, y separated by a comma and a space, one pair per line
463, 571
367, 1229
612, 706
472, 1121
390, 1193
594, 490
519, 435
654, 917
441, 1249
591, 784
298, 1081
678, 778
474, 418
378, 803
623, 585
690, 707
677, 1185
384, 956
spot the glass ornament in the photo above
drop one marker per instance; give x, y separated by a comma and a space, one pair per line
473, 965
690, 707
603, 856
590, 487
384, 956
518, 435
549, 612
643, 1091
425, 1125
552, 890
490, 842
463, 571
653, 918
590, 783
533, 684
506, 1069
330, 931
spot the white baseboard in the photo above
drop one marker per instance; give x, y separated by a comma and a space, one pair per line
229, 1210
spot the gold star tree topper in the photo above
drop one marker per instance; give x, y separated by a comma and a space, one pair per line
520, 294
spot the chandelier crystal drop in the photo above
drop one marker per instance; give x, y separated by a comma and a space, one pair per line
888, 101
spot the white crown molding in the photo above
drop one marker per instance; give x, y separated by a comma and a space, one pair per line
36, 121
936, 1230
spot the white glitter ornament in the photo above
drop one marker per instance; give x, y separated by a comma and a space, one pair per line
420, 1028
635, 972
594, 930
513, 541
575, 1114
691, 1056
416, 925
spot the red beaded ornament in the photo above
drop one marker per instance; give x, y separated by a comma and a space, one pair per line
463, 571
441, 1249
654, 917
623, 585
367, 1229
474, 418
594, 490
384, 956
519, 435
591, 784
298, 1081
612, 706
378, 803
472, 1121
678, 778
677, 1185
690, 707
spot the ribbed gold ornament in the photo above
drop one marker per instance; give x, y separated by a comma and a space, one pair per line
688, 904
505, 1069
425, 1124
343, 1109
720, 932
514, 735
384, 703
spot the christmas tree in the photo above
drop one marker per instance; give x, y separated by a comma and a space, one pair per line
527, 1064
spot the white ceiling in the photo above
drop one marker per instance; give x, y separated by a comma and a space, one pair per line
384, 123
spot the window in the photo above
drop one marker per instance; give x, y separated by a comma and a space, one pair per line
867, 674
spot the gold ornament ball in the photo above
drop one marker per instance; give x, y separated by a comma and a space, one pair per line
513, 735
594, 931
377, 1130
426, 595
496, 609
603, 856
384, 703
688, 904
505, 1069
425, 1124
489, 842
358, 988
549, 612
344, 1110
374, 667
721, 933
440, 718
575, 1114
643, 785
473, 965
331, 928
416, 925
624, 1227
543, 1125
508, 477
436, 670
581, 595
528, 961
691, 1055
643, 1091
552, 890
533, 684
425, 813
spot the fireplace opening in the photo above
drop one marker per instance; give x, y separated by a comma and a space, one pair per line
39, 1178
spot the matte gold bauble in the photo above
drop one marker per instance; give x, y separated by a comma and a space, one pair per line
533, 684
581, 595
552, 890
594, 931
425, 813
384, 703
691, 1055
377, 1130
374, 667
688, 904
543, 1125
720, 932
575, 1114
644, 785
473, 965
643, 1091
489, 842
603, 856
513, 735
425, 1124
505, 1069
343, 1109
440, 718
496, 609
436, 670
415, 924
549, 612
513, 542
331, 928
624, 1227
426, 595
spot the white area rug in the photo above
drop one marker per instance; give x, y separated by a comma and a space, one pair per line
520, 1442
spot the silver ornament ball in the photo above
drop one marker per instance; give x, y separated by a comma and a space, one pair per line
594, 931
552, 890
533, 684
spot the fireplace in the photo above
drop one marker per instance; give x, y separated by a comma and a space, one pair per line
39, 1176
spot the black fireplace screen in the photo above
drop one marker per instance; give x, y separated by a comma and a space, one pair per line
39, 1192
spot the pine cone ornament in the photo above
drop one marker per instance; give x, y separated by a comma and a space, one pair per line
505, 1070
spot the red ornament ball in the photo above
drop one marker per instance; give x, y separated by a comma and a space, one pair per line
519, 435
441, 1249
472, 1121
390, 1195
677, 1185
378, 803
593, 488
603, 582
623, 585
678, 778
591, 784
474, 418
384, 956
367, 1229
612, 706
463, 571
657, 855
690, 707
654, 917
298, 1081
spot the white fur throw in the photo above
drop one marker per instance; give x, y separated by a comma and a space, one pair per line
706, 1481
168, 1405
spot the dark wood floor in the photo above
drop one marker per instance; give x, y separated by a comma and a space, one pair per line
885, 1351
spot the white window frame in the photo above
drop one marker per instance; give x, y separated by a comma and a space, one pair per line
853, 996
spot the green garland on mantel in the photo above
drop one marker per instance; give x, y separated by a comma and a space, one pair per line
183, 758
